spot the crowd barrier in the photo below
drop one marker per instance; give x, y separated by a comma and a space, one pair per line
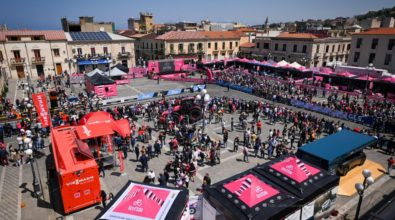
235, 87
192, 80
77, 78
368, 120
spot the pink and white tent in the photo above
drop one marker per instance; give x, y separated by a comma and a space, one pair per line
282, 63
345, 74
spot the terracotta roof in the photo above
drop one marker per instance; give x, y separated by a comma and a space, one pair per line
126, 33
246, 30
297, 35
149, 36
378, 31
247, 45
200, 35
48, 35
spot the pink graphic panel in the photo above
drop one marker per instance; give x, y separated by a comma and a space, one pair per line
142, 201
295, 169
251, 190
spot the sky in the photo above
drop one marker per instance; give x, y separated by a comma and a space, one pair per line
46, 14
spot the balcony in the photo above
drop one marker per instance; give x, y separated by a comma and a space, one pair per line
38, 60
92, 57
124, 54
17, 61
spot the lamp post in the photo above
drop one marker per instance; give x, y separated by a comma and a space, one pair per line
370, 68
204, 99
109, 67
361, 187
36, 185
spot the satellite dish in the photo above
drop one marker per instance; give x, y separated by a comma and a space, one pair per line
101, 29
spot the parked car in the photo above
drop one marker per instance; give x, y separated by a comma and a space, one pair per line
350, 162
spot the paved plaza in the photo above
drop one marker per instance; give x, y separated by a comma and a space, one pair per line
16, 201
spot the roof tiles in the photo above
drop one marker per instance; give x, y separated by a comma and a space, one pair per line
48, 35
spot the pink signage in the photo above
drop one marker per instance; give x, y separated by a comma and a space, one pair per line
295, 169
251, 190
142, 201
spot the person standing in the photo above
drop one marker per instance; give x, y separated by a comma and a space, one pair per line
103, 198
101, 169
162, 180
225, 138
144, 162
231, 124
137, 151
206, 181
390, 164
245, 154
236, 144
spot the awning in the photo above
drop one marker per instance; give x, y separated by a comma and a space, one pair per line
93, 62
115, 72
93, 130
93, 72
96, 118
122, 127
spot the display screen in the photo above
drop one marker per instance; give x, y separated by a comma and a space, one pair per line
166, 66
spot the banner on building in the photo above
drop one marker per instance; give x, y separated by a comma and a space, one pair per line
40, 102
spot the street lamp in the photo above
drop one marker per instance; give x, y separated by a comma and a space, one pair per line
370, 68
36, 185
361, 187
206, 99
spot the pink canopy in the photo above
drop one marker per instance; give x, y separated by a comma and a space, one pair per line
345, 74
389, 79
326, 70
245, 60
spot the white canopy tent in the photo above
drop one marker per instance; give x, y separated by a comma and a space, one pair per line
115, 72
282, 63
93, 72
295, 65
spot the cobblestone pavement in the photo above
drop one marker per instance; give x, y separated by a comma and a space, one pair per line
15, 191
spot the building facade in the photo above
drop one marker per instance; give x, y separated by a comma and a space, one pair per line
92, 50
304, 48
375, 46
32, 53
86, 24
35, 54
196, 45
143, 25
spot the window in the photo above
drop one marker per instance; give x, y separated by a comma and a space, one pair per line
348, 47
318, 49
338, 47
375, 41
344, 47
304, 49
93, 51
191, 48
180, 48
356, 57
209, 45
105, 50
215, 46
257, 45
13, 38
275, 46
56, 52
200, 46
266, 46
123, 50
17, 54
79, 51
387, 59
1, 56
327, 49
37, 53
295, 48
391, 44
333, 48
152, 46
372, 56
284, 47
156, 45
237, 44
223, 45
230, 45
359, 42
171, 48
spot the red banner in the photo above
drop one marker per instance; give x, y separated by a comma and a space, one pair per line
121, 162
40, 102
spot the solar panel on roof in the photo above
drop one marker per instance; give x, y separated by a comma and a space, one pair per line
90, 36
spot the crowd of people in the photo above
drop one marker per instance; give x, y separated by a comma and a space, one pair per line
283, 91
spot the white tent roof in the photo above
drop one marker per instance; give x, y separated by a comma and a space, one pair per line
282, 63
115, 72
295, 65
93, 72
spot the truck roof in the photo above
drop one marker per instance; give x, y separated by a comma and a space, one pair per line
337, 145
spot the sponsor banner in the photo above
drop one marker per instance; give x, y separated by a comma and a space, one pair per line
142, 202
77, 78
146, 96
198, 88
235, 87
40, 102
295, 169
192, 80
195, 204
122, 81
174, 92
334, 113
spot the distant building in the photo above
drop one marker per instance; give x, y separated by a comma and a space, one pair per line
86, 24
3, 27
388, 22
370, 23
187, 26
305, 48
32, 53
376, 46
143, 25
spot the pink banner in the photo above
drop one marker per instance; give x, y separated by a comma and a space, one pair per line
251, 190
295, 169
122, 81
193, 80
